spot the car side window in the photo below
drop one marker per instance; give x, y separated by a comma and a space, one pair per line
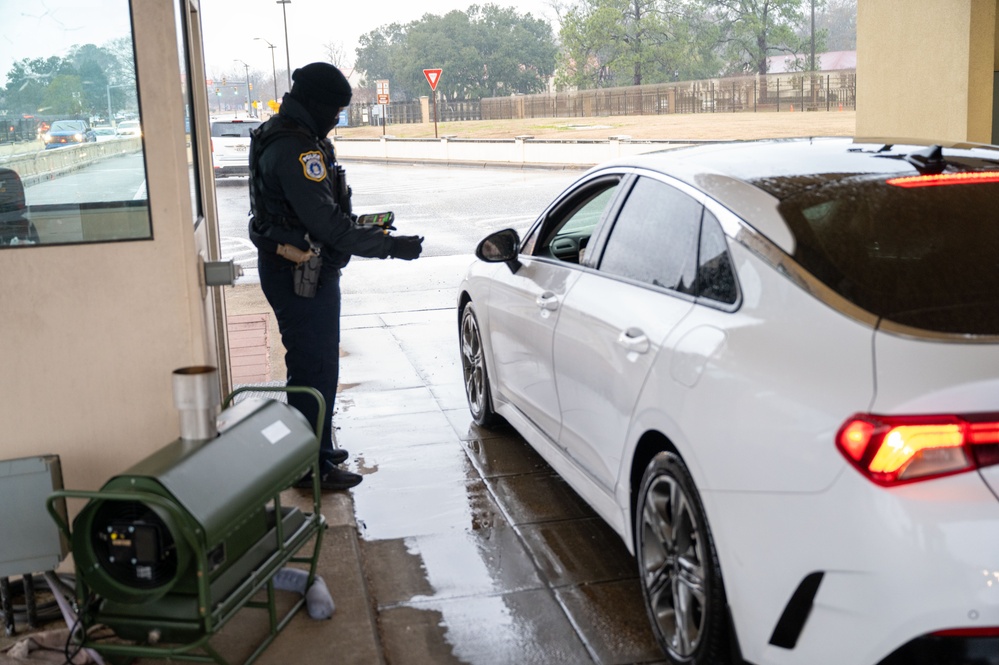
568, 228
655, 237
715, 275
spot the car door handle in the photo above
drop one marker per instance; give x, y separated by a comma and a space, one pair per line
633, 339
548, 301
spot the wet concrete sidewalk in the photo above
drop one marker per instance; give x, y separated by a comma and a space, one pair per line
461, 545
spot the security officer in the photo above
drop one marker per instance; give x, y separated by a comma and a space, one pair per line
302, 225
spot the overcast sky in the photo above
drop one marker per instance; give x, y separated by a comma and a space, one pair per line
51, 27
229, 26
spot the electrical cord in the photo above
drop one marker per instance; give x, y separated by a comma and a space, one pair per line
45, 612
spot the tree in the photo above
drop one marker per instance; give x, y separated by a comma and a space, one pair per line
839, 25
621, 42
484, 51
754, 30
376, 51
74, 84
336, 55
64, 96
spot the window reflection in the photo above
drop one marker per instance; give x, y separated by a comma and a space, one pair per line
72, 165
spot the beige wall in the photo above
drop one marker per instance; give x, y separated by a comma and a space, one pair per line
925, 69
91, 333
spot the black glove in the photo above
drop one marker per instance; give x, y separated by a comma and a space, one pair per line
406, 248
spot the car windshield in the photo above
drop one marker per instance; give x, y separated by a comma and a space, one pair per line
925, 257
66, 126
234, 129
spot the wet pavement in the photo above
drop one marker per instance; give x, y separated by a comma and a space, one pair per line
468, 548
461, 545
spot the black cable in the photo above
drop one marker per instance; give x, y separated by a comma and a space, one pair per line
44, 612
72, 631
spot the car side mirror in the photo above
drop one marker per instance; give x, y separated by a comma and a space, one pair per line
500, 247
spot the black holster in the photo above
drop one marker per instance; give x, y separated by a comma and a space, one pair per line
307, 276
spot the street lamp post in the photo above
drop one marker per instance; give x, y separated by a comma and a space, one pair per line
287, 53
273, 70
110, 113
246, 69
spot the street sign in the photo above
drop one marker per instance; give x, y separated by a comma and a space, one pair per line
382, 91
433, 77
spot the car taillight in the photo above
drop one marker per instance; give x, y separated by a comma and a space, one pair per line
985, 631
891, 450
940, 179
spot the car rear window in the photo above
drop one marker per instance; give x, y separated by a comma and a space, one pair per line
234, 129
925, 257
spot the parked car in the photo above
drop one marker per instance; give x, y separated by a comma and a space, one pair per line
773, 368
231, 145
129, 128
68, 132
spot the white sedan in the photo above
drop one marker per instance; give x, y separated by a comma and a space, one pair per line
773, 369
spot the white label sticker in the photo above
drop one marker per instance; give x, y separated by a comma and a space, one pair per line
275, 432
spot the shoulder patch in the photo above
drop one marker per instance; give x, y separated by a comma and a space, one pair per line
313, 165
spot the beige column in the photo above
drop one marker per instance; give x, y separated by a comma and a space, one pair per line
425, 109
925, 69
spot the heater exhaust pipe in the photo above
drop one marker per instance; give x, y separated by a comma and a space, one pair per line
197, 396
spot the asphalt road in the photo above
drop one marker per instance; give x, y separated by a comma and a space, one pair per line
452, 207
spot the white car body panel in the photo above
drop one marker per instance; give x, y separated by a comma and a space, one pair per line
607, 338
788, 411
522, 310
896, 564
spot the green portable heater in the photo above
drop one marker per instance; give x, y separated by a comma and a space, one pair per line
170, 549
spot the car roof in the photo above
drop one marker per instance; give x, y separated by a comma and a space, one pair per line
752, 177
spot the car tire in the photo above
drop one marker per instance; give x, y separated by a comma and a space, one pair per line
678, 567
473, 369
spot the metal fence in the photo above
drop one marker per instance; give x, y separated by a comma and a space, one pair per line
401, 113
822, 91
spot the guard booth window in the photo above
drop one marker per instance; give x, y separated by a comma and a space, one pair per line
72, 164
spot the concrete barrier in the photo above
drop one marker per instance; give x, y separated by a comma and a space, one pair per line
523, 151
38, 165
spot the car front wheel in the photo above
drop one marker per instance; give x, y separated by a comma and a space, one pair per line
678, 567
473, 367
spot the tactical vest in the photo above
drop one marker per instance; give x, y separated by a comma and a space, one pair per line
261, 137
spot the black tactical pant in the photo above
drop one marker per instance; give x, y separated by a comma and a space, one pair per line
310, 332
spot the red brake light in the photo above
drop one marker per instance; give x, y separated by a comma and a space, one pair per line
986, 631
937, 179
891, 450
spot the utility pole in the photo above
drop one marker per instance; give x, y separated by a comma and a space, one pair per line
273, 70
249, 104
287, 53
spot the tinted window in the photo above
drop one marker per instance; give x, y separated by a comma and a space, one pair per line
654, 239
926, 257
235, 129
715, 276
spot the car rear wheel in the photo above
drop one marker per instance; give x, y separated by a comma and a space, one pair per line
473, 367
678, 567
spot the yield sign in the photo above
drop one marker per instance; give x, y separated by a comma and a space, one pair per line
433, 77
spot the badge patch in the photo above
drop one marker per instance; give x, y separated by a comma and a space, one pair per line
312, 163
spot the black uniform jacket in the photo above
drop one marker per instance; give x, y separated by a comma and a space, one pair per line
296, 186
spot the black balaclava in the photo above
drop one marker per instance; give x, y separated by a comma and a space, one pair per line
323, 90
